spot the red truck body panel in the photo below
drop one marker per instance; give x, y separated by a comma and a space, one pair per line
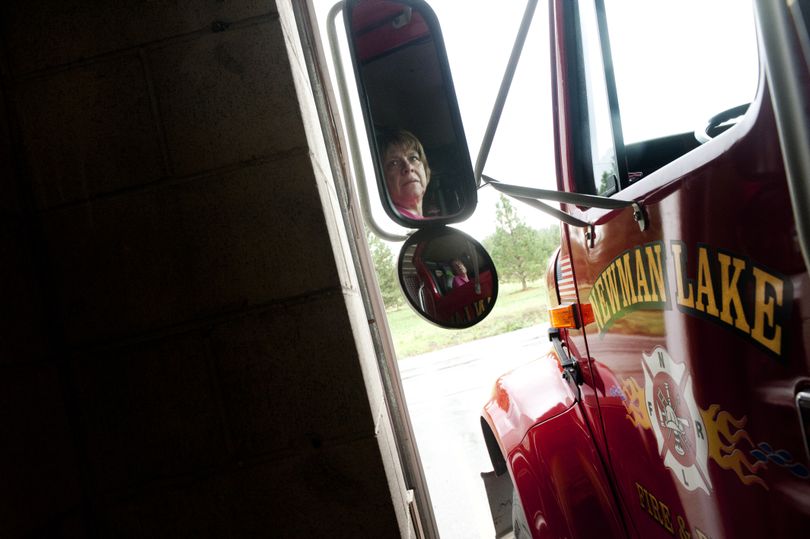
686, 423
532, 425
732, 354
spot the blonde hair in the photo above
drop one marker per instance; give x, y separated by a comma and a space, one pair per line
404, 139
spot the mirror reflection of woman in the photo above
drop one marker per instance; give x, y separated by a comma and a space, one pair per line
460, 277
407, 172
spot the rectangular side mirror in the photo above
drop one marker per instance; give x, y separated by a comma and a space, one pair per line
411, 113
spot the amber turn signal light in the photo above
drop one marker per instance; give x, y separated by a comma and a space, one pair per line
564, 316
568, 316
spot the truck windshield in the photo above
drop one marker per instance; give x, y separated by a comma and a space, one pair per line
677, 64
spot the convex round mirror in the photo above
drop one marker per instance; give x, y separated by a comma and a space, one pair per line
412, 119
447, 277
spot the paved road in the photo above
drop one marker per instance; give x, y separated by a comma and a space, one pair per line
445, 391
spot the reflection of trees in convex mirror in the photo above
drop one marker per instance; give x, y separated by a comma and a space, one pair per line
448, 277
412, 118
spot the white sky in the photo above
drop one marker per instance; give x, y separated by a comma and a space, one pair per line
711, 38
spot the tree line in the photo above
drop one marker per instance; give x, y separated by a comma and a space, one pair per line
519, 251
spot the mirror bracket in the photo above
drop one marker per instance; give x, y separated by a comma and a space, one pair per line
570, 367
590, 236
639, 216
530, 195
578, 199
503, 91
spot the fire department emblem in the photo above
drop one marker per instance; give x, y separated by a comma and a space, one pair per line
676, 420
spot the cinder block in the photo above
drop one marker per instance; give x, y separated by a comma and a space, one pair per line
149, 411
188, 250
23, 336
367, 355
227, 98
47, 34
196, 509
336, 492
291, 379
9, 195
39, 491
346, 483
90, 130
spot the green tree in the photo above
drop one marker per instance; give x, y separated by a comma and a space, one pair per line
520, 252
386, 271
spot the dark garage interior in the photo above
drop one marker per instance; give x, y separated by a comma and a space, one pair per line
184, 348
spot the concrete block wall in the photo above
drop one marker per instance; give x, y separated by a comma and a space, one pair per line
182, 350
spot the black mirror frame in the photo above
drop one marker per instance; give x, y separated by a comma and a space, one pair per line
469, 188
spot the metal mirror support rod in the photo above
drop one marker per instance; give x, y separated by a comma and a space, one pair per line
354, 146
790, 102
554, 212
536, 204
529, 195
506, 83
589, 201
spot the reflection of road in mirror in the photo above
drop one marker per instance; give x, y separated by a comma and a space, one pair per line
445, 391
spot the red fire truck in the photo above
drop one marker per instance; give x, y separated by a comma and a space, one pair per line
674, 400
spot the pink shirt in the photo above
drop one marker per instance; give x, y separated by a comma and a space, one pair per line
460, 280
408, 213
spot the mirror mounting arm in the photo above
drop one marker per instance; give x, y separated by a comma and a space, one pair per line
354, 146
530, 196
578, 199
551, 210
503, 91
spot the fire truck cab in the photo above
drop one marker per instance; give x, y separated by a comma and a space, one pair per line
679, 322
674, 399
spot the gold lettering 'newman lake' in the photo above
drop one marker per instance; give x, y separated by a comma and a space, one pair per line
714, 285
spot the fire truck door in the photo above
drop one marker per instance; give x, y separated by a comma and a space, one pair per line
696, 356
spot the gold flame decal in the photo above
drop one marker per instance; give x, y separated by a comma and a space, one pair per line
724, 432
634, 404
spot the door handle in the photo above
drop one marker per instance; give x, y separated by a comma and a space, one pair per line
803, 405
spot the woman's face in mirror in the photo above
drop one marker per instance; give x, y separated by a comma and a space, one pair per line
458, 267
406, 176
